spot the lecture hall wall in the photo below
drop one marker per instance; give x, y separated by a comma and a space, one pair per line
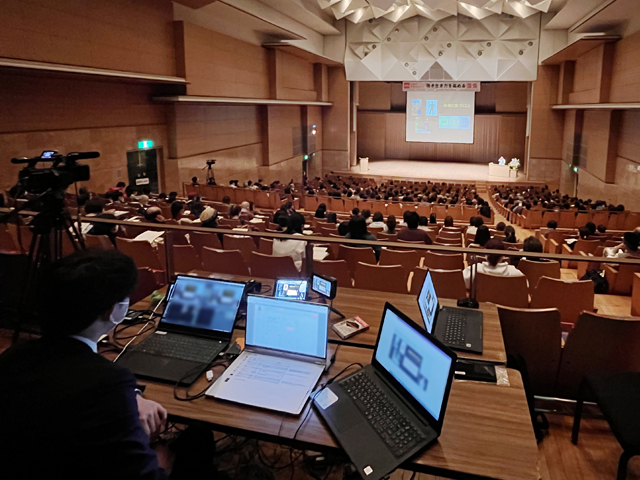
499, 129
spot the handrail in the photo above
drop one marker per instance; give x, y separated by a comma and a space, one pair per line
357, 242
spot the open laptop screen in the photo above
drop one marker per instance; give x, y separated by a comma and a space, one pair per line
428, 302
287, 326
203, 303
416, 363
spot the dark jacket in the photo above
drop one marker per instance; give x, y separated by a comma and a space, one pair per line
69, 413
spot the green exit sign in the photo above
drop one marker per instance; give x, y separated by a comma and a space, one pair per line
145, 144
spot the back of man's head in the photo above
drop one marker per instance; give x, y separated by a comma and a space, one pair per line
552, 224
94, 205
448, 221
176, 208
77, 289
412, 219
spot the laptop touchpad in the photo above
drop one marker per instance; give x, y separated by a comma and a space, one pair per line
345, 416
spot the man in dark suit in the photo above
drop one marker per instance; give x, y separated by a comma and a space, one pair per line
65, 411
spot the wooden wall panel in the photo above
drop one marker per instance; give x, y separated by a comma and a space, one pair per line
629, 140
112, 34
336, 118
371, 135
398, 97
512, 136
375, 96
283, 119
217, 65
625, 75
314, 117
486, 139
599, 132
592, 76
546, 124
486, 98
291, 78
200, 129
511, 97
396, 147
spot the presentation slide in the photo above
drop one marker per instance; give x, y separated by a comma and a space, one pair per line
440, 117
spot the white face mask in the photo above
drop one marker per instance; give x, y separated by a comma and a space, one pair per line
119, 312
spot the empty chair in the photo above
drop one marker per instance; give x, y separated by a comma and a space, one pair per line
266, 246
353, 255
143, 254
407, 258
224, 261
272, 266
582, 245
240, 242
394, 209
567, 219
598, 343
510, 291
185, 259
449, 283
199, 240
98, 241
387, 237
337, 269
443, 261
536, 335
450, 235
232, 222
620, 278
384, 278
571, 297
534, 270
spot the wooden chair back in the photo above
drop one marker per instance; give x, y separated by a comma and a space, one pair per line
439, 210
272, 266
631, 221
620, 278
238, 242
570, 297
143, 254
417, 279
455, 211
450, 235
148, 281
536, 335
449, 241
337, 269
199, 240
232, 222
535, 270
266, 246
224, 261
581, 219
567, 219
102, 242
510, 291
354, 255
449, 283
598, 343
185, 259
395, 209
408, 259
383, 278
375, 230
387, 237
443, 261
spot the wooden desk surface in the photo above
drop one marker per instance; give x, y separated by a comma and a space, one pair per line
487, 431
369, 304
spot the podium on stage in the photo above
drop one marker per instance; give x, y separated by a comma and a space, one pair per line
497, 170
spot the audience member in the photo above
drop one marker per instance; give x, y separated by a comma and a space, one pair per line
378, 222
292, 248
412, 233
153, 215
627, 249
391, 224
321, 211
448, 221
94, 208
367, 216
209, 217
358, 231
176, 210
510, 234
226, 200
500, 227
483, 235
493, 265
432, 219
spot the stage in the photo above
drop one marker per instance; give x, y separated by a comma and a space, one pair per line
442, 171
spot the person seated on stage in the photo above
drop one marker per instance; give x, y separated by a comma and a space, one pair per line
177, 210
412, 233
423, 223
378, 222
391, 224
194, 180
483, 235
67, 412
209, 217
551, 227
493, 265
358, 231
510, 234
292, 248
321, 211
448, 221
627, 249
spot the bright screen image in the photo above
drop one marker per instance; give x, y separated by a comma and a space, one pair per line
287, 326
441, 117
203, 303
321, 286
291, 289
416, 363
428, 303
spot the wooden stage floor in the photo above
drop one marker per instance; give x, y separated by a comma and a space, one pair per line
425, 170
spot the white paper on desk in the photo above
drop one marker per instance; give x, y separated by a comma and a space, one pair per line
267, 381
320, 253
149, 235
86, 228
120, 213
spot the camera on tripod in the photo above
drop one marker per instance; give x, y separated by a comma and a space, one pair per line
63, 172
211, 162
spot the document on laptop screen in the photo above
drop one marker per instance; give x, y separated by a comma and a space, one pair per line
267, 381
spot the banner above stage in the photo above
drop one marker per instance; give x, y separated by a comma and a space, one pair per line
441, 86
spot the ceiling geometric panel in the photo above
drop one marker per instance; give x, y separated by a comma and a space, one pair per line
358, 11
494, 48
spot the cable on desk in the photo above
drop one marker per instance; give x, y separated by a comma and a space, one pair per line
263, 291
187, 397
132, 339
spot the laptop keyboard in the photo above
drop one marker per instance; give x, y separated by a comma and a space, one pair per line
456, 329
395, 429
182, 346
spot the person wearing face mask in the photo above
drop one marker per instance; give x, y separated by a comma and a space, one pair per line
66, 411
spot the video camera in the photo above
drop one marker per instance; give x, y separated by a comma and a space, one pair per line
63, 172
210, 162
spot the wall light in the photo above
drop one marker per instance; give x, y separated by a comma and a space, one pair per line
314, 130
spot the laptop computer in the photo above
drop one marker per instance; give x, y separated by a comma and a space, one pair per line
195, 327
285, 353
389, 410
458, 328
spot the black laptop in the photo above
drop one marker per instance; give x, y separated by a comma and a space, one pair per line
386, 412
458, 328
196, 326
